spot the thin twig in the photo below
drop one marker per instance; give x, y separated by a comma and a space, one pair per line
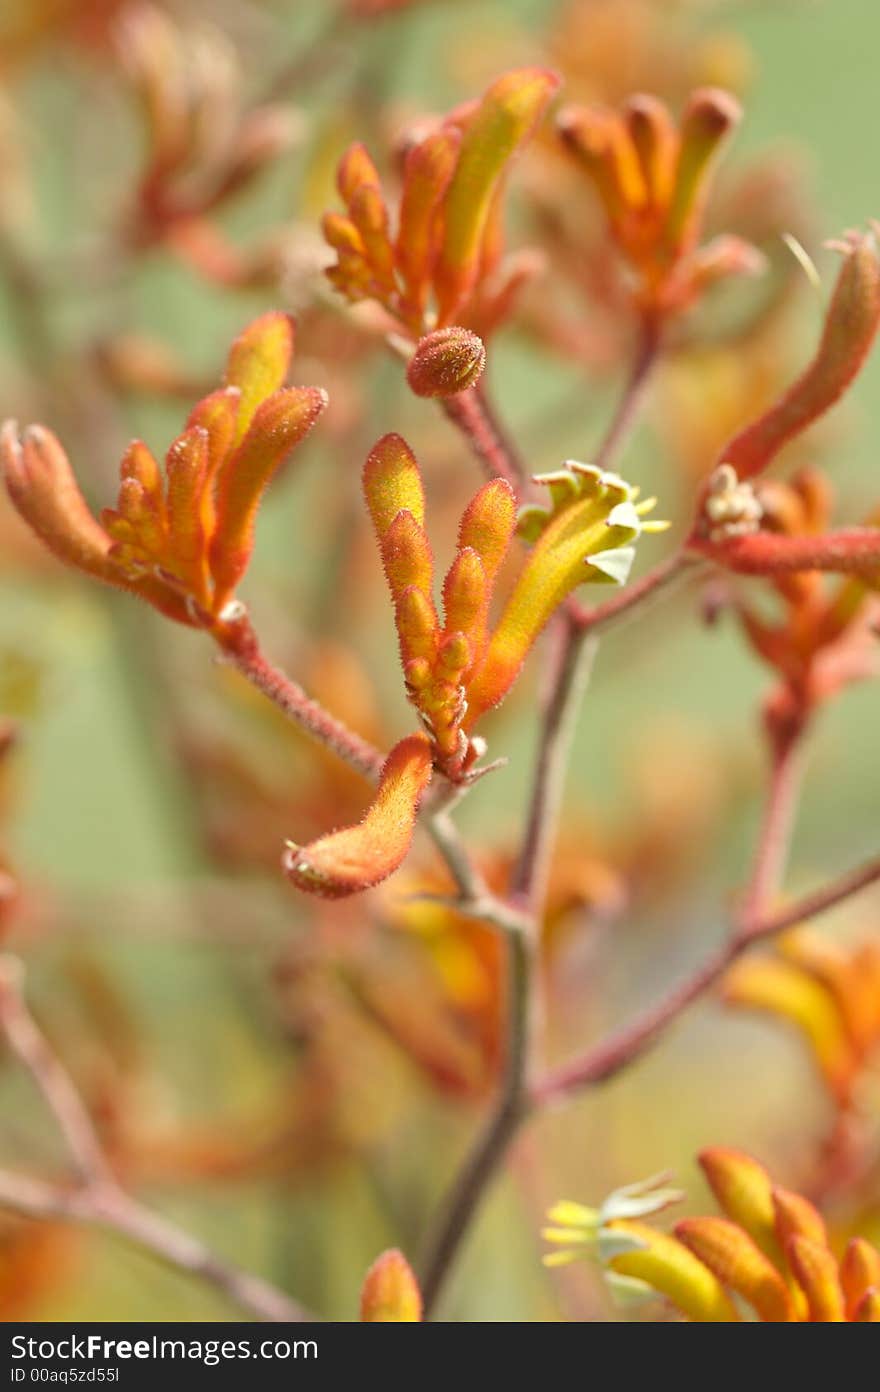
607, 1058
109, 1208
632, 400
774, 837
625, 604
97, 1197
29, 1044
471, 1183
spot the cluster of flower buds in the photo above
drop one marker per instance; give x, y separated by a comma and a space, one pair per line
461, 666
771, 1251
653, 178
203, 150
830, 993
181, 541
442, 264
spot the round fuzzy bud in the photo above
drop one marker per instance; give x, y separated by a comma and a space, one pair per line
446, 362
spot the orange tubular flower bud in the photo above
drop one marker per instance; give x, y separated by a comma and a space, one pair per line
797, 1217
390, 1293
669, 1268
850, 327
427, 174
772, 1251
785, 990
446, 362
859, 1274
709, 118
181, 542
393, 483
739, 1264
815, 1270
359, 857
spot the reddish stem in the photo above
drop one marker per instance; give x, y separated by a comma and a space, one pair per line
241, 647
851, 550
468, 414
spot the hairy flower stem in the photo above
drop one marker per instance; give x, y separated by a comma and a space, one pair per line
242, 650
469, 415
528, 891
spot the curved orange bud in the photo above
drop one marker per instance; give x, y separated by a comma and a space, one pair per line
868, 1311
278, 424
186, 468
417, 628
859, 1273
393, 483
488, 524
427, 173
850, 327
358, 857
670, 1269
815, 1271
504, 120
390, 1293
43, 489
446, 362
739, 1264
466, 600
258, 363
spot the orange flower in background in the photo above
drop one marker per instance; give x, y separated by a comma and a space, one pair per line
770, 1251
653, 178
443, 263
831, 995
183, 541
